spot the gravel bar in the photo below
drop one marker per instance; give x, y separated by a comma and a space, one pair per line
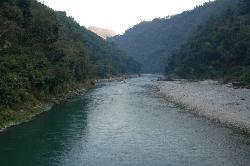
220, 102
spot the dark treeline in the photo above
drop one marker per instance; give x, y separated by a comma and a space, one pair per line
43, 52
219, 49
152, 42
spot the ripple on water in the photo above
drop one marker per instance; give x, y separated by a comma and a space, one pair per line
122, 124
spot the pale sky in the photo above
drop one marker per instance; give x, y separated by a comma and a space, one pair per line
119, 15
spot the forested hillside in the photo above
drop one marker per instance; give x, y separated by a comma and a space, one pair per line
152, 42
220, 48
43, 53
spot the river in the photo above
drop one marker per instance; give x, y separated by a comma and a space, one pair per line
122, 123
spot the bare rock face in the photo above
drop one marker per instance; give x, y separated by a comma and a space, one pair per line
104, 33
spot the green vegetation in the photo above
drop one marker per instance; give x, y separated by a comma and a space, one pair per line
219, 49
44, 53
152, 42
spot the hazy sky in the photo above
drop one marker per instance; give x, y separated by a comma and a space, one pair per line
119, 15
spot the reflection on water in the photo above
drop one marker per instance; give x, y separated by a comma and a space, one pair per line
122, 123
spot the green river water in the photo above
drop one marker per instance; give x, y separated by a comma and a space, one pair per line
122, 123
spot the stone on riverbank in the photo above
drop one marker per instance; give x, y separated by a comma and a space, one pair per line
211, 99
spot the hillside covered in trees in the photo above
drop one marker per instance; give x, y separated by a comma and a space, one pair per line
219, 49
152, 42
43, 53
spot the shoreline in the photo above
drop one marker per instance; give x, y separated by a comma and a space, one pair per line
26, 112
210, 99
40, 107
43, 108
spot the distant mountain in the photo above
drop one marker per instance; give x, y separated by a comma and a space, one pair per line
104, 33
220, 48
152, 42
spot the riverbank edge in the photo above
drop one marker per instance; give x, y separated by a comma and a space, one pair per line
30, 110
27, 111
194, 109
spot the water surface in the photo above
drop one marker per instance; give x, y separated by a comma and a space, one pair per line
122, 123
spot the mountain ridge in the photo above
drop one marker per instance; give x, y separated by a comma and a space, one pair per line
102, 32
152, 42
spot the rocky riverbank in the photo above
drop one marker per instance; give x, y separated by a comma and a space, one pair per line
220, 102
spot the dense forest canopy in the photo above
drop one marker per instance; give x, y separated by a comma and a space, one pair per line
42, 52
152, 42
219, 49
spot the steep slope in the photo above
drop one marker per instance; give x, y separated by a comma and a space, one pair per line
44, 53
219, 49
104, 33
151, 42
